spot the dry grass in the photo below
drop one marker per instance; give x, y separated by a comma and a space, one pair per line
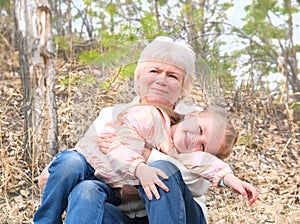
267, 154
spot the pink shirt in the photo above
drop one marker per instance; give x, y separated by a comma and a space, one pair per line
117, 150
96, 141
148, 124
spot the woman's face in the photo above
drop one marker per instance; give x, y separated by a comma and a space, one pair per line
160, 83
198, 132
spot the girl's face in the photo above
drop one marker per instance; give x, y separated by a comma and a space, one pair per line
198, 132
160, 83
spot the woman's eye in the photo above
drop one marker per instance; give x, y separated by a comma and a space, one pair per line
173, 76
153, 71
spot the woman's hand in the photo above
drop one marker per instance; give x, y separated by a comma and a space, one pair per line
43, 178
149, 177
241, 187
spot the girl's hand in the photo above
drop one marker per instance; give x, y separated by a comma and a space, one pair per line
241, 187
149, 178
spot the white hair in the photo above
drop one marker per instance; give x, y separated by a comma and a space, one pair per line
177, 53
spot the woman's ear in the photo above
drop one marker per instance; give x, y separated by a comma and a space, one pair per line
191, 114
181, 95
137, 86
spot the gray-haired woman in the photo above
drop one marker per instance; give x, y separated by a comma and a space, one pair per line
82, 181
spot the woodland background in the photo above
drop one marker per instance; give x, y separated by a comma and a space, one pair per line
247, 62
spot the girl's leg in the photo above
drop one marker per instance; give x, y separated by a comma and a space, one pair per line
176, 206
67, 169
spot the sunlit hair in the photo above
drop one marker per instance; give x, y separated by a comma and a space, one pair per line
178, 53
230, 138
230, 134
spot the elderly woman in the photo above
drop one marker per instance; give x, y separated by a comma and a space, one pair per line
78, 177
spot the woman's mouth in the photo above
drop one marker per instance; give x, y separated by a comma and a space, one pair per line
161, 91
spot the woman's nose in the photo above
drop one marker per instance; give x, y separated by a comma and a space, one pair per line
161, 78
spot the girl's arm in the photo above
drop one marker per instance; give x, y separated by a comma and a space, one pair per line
135, 129
206, 165
215, 170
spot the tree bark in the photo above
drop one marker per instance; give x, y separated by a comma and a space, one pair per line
38, 77
157, 15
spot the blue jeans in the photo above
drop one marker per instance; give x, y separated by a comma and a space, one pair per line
176, 206
73, 187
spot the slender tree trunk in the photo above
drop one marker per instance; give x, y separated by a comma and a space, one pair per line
157, 15
293, 62
69, 18
38, 76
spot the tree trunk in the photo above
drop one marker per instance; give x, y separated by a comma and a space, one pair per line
38, 76
293, 61
157, 15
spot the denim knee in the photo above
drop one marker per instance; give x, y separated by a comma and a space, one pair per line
94, 190
68, 164
89, 188
166, 166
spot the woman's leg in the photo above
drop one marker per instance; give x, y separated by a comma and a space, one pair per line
176, 206
67, 169
92, 201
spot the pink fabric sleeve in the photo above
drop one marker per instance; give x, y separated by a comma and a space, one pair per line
140, 124
205, 165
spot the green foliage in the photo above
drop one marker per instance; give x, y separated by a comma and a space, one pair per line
119, 25
297, 48
88, 2
111, 9
149, 27
117, 50
227, 5
5, 3
105, 84
267, 34
244, 140
75, 80
222, 70
296, 106
127, 71
90, 57
62, 42
162, 2
88, 79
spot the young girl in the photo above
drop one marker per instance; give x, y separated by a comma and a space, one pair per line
193, 141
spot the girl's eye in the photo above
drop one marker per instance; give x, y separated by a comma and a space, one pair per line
202, 147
